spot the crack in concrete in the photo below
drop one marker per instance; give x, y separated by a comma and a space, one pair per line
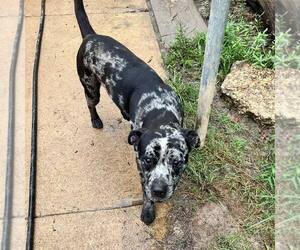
15, 217
3, 16
126, 203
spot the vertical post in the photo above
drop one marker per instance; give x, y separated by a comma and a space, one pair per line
214, 42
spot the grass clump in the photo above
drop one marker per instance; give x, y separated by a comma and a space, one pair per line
242, 41
232, 242
287, 50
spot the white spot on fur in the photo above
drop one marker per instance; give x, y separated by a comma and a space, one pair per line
121, 100
167, 101
97, 58
88, 46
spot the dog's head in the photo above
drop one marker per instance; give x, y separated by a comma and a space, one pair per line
162, 156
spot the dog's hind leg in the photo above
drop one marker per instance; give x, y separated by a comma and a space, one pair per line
92, 94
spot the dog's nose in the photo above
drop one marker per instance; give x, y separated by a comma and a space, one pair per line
159, 189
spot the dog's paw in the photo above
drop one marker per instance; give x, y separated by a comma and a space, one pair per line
148, 213
97, 123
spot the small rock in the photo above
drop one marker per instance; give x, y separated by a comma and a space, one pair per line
252, 90
178, 230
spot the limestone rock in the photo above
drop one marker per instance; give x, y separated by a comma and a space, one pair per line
252, 90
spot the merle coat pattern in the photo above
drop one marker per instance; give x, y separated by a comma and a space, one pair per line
151, 106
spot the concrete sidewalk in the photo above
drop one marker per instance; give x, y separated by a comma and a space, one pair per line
84, 173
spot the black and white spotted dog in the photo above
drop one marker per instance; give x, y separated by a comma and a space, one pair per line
161, 144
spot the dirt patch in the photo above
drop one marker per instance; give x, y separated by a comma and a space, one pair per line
252, 90
195, 222
160, 228
203, 7
237, 9
180, 217
211, 221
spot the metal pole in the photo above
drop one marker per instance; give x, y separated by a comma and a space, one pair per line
216, 29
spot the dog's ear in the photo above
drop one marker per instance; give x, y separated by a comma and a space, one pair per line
192, 139
134, 136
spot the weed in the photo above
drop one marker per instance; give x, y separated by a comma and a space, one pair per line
287, 50
232, 242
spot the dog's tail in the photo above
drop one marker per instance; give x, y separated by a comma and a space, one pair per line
82, 19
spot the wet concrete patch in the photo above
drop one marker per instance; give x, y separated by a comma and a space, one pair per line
160, 226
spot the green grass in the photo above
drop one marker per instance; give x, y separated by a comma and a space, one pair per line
232, 241
230, 152
224, 169
287, 47
242, 41
236, 165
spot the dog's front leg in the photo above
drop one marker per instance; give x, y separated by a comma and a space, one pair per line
148, 211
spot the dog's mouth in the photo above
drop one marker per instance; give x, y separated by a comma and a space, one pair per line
159, 200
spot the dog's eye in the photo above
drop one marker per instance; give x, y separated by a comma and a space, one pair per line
148, 162
176, 163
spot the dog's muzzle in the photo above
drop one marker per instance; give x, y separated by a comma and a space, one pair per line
159, 190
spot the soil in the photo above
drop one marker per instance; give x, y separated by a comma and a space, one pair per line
237, 9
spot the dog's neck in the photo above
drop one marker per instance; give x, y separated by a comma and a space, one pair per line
154, 120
